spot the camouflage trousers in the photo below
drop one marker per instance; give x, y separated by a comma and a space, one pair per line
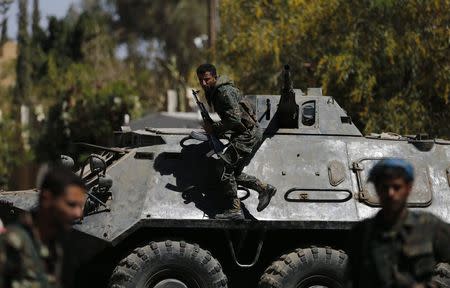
233, 161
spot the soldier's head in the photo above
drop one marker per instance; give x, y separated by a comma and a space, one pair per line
207, 76
62, 197
393, 179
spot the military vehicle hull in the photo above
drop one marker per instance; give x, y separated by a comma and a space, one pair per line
302, 173
162, 200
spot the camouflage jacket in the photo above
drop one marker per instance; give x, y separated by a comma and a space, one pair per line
405, 254
236, 114
25, 261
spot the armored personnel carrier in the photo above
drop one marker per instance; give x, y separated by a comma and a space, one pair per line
149, 218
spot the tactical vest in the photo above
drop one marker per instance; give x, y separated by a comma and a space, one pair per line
248, 116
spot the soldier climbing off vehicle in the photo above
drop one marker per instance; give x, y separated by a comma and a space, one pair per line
398, 248
238, 117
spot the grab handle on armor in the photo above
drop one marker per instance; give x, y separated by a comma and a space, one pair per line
258, 249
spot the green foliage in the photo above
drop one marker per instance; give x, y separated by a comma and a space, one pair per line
4, 7
8, 149
88, 91
88, 112
80, 86
183, 20
4, 32
8, 144
167, 30
36, 17
386, 62
23, 82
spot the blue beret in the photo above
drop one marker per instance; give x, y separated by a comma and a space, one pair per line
392, 163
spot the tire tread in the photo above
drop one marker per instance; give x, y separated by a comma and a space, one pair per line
275, 275
124, 274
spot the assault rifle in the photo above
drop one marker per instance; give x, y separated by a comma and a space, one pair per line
213, 140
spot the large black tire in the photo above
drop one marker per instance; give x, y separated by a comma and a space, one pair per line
169, 264
441, 275
323, 267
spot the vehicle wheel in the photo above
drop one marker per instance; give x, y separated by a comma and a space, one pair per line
168, 264
442, 275
311, 267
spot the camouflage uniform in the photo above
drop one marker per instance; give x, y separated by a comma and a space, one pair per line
236, 116
27, 262
402, 255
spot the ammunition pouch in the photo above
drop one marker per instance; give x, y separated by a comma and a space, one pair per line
421, 257
248, 117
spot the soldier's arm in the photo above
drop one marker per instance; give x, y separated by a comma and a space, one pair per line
441, 242
10, 247
229, 112
2, 262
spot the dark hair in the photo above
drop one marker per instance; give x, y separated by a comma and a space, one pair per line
57, 178
206, 67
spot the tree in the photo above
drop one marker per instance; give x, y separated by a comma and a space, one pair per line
4, 32
35, 27
4, 7
23, 84
86, 89
384, 61
8, 150
167, 48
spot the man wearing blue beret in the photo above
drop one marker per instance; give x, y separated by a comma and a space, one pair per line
398, 248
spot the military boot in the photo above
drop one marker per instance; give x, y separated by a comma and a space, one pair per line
265, 196
234, 212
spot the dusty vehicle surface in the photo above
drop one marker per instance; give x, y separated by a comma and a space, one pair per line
148, 222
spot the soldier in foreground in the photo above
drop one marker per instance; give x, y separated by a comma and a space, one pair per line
30, 250
398, 247
237, 117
